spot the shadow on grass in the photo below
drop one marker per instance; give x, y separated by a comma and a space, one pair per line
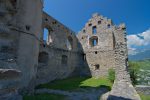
87, 85
44, 97
96, 88
72, 84
111, 97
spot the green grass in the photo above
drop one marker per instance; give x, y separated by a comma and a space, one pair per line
143, 64
76, 83
69, 84
44, 97
145, 97
92, 82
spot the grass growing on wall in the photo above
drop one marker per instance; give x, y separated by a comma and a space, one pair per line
76, 83
44, 97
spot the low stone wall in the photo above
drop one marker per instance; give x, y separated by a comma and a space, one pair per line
143, 89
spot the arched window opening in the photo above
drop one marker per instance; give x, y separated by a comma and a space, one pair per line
93, 41
70, 43
64, 60
47, 38
43, 57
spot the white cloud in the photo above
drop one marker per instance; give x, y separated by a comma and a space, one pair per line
132, 51
135, 40
146, 36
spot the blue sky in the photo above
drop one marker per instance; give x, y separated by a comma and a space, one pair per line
75, 13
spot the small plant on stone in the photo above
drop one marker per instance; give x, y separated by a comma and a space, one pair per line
111, 75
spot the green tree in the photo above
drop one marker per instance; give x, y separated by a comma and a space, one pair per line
133, 70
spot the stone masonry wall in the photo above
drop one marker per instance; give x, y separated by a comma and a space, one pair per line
55, 68
99, 56
62, 45
33, 60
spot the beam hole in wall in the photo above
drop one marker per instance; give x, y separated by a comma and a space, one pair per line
99, 22
64, 60
95, 52
108, 26
97, 67
93, 41
90, 24
69, 43
28, 27
94, 29
84, 31
54, 22
43, 57
46, 19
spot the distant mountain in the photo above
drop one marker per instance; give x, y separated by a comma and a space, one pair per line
140, 56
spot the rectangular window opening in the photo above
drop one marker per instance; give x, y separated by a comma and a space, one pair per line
94, 30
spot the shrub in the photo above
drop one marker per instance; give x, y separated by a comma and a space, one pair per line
111, 75
133, 71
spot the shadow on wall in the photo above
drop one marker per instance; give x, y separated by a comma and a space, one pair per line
83, 69
61, 54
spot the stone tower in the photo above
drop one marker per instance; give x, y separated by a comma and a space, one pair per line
29, 23
20, 28
98, 42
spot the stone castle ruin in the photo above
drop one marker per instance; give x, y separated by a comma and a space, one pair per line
28, 59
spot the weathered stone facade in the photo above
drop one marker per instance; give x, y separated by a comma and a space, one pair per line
63, 45
98, 39
27, 59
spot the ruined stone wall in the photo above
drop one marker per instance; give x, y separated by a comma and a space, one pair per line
24, 52
20, 25
63, 55
59, 34
55, 68
122, 88
98, 42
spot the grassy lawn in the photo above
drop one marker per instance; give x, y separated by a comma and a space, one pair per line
44, 97
145, 97
76, 83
